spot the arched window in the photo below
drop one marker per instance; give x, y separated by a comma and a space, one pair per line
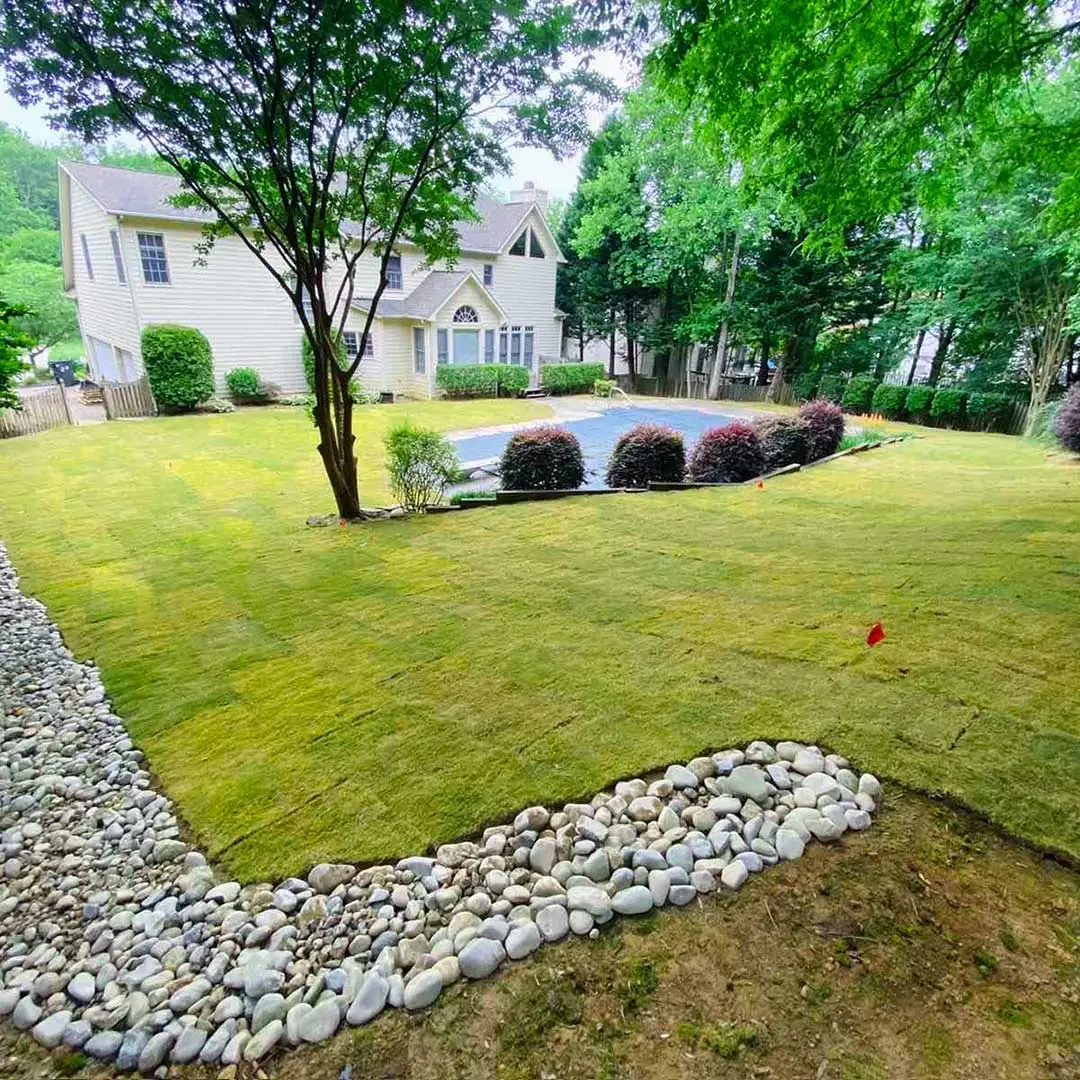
466, 314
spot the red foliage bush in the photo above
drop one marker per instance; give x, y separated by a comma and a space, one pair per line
544, 458
727, 455
824, 424
646, 452
1067, 425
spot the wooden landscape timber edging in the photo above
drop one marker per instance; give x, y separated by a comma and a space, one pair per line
504, 498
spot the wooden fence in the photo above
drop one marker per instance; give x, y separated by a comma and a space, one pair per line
40, 410
698, 389
126, 401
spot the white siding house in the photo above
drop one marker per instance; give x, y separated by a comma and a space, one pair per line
131, 260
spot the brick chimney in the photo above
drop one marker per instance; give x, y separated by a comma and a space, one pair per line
530, 193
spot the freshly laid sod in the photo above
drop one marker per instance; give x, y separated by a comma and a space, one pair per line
359, 693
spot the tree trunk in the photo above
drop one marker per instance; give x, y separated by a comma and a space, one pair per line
721, 349
942, 350
631, 346
611, 348
763, 363
1050, 349
581, 343
915, 359
786, 361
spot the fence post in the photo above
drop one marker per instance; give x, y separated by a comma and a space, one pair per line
67, 404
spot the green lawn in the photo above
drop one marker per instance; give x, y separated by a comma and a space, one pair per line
310, 694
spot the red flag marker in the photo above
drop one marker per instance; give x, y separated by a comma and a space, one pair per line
761, 483
342, 522
877, 633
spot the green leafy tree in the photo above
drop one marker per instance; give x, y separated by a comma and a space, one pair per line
318, 138
13, 344
38, 287
32, 246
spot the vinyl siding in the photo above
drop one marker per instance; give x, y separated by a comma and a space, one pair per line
233, 300
105, 308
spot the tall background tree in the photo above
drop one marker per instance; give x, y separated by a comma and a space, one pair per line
316, 134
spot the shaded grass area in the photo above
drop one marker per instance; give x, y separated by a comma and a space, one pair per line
862, 961
309, 694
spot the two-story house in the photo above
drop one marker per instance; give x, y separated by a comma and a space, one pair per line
131, 260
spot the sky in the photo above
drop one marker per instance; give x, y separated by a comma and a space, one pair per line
558, 178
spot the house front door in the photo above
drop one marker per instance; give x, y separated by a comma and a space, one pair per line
466, 347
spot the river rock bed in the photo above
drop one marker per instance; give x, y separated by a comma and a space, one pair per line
117, 938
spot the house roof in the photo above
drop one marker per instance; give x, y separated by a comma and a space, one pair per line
428, 298
132, 193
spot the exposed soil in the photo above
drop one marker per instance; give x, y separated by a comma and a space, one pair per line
927, 947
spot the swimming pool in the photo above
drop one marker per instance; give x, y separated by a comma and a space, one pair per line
599, 433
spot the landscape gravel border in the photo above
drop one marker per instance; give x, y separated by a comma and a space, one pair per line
118, 940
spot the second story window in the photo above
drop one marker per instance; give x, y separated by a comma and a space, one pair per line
86, 256
393, 272
489, 275
114, 239
536, 249
352, 345
155, 264
519, 244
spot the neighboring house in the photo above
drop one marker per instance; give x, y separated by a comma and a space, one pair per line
131, 260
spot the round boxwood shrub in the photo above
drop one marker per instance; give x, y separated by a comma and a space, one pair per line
859, 394
919, 400
178, 366
890, 400
647, 452
784, 441
544, 458
727, 455
948, 405
824, 424
243, 383
1067, 424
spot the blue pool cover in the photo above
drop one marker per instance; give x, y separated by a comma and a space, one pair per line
598, 434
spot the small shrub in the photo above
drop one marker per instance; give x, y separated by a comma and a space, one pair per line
948, 405
604, 387
890, 400
544, 458
727, 455
805, 387
217, 405
178, 366
1044, 429
1067, 424
646, 452
784, 441
989, 410
570, 378
859, 394
482, 380
420, 463
243, 383
919, 400
824, 423
831, 388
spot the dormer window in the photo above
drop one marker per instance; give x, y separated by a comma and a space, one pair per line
393, 272
519, 244
536, 249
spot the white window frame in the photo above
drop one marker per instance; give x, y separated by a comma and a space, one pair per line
153, 236
515, 345
395, 275
118, 256
489, 275
442, 340
84, 243
352, 343
504, 344
419, 350
528, 347
489, 345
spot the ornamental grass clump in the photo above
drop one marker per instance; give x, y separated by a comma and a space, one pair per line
727, 455
420, 463
543, 458
824, 424
647, 452
1067, 424
784, 441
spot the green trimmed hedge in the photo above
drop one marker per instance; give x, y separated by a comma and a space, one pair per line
859, 394
570, 378
989, 410
919, 400
890, 400
482, 380
178, 366
948, 405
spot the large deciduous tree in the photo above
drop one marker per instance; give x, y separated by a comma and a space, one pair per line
13, 343
319, 133
50, 315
